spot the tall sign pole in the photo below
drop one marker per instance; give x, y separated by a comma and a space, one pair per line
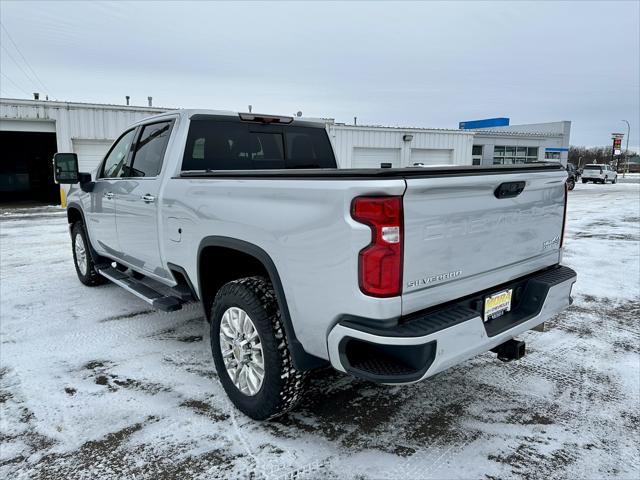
616, 148
626, 151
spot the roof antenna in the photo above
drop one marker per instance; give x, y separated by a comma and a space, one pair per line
250, 108
127, 99
150, 100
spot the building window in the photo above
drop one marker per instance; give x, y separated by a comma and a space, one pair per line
514, 154
476, 155
552, 155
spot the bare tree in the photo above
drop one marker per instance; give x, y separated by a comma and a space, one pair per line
580, 156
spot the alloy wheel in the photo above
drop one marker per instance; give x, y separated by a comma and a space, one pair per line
242, 351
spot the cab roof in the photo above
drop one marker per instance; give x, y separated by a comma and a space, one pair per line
231, 115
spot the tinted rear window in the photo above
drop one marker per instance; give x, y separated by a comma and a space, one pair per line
227, 145
593, 167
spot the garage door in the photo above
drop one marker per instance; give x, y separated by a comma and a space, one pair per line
428, 156
90, 153
25, 167
373, 157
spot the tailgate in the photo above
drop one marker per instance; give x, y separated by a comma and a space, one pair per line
460, 238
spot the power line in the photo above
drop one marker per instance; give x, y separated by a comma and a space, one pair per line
25, 60
20, 67
16, 85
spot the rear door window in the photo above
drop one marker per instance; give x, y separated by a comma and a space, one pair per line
228, 145
149, 150
308, 148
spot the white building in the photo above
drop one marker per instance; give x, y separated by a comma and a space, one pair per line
371, 146
522, 143
31, 131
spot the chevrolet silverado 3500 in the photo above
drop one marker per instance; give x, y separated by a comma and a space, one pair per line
389, 274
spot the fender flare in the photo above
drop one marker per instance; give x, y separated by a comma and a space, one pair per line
301, 359
97, 259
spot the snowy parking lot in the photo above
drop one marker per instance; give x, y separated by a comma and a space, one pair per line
94, 384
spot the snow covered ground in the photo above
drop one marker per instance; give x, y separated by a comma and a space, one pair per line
94, 384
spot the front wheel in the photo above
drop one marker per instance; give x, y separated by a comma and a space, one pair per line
250, 349
571, 184
85, 268
584, 180
615, 180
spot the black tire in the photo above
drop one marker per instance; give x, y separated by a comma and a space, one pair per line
571, 184
282, 385
584, 180
615, 180
90, 277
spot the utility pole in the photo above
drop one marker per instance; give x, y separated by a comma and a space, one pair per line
626, 152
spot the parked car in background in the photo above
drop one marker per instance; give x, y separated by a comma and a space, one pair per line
572, 176
599, 173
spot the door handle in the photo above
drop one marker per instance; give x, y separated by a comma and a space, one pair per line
148, 198
108, 195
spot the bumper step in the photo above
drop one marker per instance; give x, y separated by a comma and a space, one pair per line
154, 298
530, 293
406, 352
419, 326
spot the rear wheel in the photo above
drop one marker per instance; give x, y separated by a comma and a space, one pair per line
85, 268
584, 180
250, 349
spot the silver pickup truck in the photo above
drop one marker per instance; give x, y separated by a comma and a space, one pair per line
390, 275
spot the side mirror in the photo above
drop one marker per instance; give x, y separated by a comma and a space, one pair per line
65, 168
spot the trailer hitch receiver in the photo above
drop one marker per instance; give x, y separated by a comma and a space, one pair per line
510, 350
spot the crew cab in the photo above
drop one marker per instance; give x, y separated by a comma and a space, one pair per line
390, 274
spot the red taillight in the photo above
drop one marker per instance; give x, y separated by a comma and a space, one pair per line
380, 263
564, 215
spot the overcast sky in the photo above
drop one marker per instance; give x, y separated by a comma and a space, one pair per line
410, 64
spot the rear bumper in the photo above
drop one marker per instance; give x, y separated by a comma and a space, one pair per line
429, 342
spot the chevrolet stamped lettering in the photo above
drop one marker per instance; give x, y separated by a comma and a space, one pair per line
489, 222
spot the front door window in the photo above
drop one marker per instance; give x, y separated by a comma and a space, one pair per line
115, 165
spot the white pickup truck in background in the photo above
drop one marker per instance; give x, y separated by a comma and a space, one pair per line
390, 275
599, 173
